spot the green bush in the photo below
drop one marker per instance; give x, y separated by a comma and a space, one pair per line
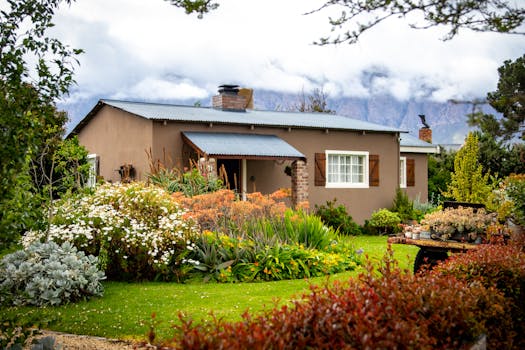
137, 231
294, 246
403, 206
515, 190
48, 274
337, 218
385, 221
295, 227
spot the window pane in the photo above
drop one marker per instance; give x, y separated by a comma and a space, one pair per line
346, 168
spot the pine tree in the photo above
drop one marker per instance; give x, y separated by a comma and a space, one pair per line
468, 183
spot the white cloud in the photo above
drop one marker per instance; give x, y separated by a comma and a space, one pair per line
134, 48
159, 89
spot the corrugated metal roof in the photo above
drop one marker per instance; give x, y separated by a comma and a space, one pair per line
249, 117
409, 143
408, 140
242, 145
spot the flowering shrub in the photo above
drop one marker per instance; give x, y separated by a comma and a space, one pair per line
48, 274
221, 211
296, 245
466, 222
227, 259
137, 231
392, 310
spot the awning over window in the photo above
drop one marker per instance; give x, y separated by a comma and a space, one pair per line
241, 146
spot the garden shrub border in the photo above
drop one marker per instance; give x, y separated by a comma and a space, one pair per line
383, 308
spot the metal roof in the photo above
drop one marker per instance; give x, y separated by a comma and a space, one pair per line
156, 111
241, 145
409, 143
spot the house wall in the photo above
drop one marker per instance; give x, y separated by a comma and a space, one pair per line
118, 137
269, 175
420, 188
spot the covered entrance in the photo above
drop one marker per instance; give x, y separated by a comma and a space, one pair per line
231, 151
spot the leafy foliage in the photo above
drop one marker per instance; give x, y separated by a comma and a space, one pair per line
48, 274
403, 206
440, 168
385, 221
514, 187
35, 70
509, 98
199, 6
482, 15
233, 259
190, 183
468, 183
17, 328
137, 231
337, 218
495, 266
392, 309
499, 157
296, 245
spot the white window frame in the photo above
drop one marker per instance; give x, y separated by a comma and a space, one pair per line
93, 170
332, 184
403, 172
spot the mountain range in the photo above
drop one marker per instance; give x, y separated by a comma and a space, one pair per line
448, 120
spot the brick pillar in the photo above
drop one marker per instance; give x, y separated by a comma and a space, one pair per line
299, 182
425, 134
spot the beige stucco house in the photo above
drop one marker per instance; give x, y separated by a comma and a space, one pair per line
320, 156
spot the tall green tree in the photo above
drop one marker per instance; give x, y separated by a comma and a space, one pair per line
440, 166
509, 98
358, 16
502, 150
467, 182
35, 71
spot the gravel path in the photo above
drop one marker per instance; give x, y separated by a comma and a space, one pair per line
83, 342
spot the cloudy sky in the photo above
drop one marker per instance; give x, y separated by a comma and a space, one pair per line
150, 50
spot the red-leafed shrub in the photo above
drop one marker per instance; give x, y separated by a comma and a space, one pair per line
497, 266
392, 309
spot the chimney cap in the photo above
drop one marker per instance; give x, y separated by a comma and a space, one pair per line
423, 121
231, 89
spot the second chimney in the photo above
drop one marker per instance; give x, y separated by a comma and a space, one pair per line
229, 99
425, 133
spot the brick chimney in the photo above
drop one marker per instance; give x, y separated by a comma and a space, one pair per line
229, 99
425, 133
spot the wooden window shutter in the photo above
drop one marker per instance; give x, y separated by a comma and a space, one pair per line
320, 169
373, 168
411, 172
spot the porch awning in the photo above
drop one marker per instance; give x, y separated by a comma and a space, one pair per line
240, 146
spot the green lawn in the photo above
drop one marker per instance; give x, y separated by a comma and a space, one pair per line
124, 311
